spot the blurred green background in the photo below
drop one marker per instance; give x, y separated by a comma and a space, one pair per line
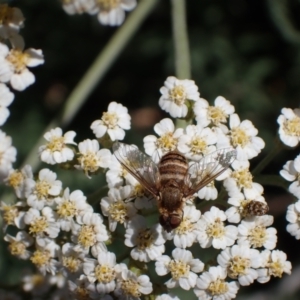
246, 51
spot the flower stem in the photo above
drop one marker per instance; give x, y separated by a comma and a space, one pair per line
95, 73
181, 40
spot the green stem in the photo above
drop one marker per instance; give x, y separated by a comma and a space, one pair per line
97, 195
276, 149
95, 73
181, 40
273, 180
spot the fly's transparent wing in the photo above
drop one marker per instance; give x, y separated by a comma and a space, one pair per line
139, 165
208, 168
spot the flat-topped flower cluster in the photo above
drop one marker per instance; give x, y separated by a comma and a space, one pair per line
70, 243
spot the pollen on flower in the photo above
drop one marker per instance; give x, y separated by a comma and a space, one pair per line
178, 94
144, 239
104, 273
178, 269
18, 59
243, 178
216, 229
217, 287
257, 236
66, 209
275, 269
216, 115
42, 189
39, 225
118, 211
15, 178
138, 190
184, 227
239, 137
292, 127
89, 162
86, 236
108, 5
130, 287
9, 214
238, 266
82, 293
71, 263
40, 257
198, 146
17, 248
166, 141
56, 144
110, 119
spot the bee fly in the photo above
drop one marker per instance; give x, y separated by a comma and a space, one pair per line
172, 181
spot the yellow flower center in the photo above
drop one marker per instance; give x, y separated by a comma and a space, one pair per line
40, 258
110, 119
66, 209
239, 137
243, 178
178, 95
217, 287
56, 144
71, 263
216, 115
6, 14
89, 162
216, 229
87, 236
130, 287
18, 59
9, 214
108, 5
198, 146
39, 225
118, 211
42, 189
144, 239
17, 248
82, 293
292, 127
275, 269
257, 236
15, 179
178, 269
184, 227
167, 142
238, 266
105, 274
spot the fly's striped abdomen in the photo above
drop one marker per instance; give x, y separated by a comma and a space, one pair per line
172, 166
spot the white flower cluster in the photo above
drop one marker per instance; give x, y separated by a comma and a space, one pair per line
62, 235
109, 12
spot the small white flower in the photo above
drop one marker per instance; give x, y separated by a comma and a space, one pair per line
197, 142
183, 268
253, 232
8, 154
103, 271
82, 288
113, 122
186, 233
113, 12
212, 285
242, 137
274, 263
116, 208
241, 180
17, 245
42, 191
213, 232
44, 257
166, 297
216, 115
16, 179
240, 262
42, 223
56, 151
289, 126
148, 243
72, 7
293, 217
14, 63
91, 158
131, 286
167, 141
11, 21
6, 98
175, 95
12, 214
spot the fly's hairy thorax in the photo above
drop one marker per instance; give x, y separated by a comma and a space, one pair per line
173, 169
